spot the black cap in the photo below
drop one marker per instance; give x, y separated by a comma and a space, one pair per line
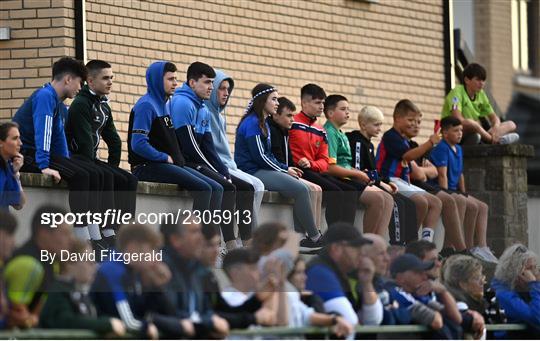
345, 232
407, 262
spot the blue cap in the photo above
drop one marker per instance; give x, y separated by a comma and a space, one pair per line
407, 262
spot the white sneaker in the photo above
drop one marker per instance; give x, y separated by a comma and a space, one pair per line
219, 259
509, 138
489, 254
482, 255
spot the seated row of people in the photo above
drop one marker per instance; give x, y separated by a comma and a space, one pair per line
178, 135
351, 282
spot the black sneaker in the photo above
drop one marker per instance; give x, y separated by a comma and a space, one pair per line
447, 252
110, 241
99, 245
308, 246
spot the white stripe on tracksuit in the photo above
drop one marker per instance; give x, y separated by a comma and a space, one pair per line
127, 316
197, 149
263, 156
47, 134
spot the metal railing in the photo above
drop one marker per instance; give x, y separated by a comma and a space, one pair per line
274, 332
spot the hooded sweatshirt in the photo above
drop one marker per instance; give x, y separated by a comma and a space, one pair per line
192, 123
41, 124
217, 120
90, 119
151, 136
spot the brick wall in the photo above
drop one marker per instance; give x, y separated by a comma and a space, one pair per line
41, 32
374, 54
494, 47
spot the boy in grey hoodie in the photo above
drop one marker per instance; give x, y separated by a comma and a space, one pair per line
223, 87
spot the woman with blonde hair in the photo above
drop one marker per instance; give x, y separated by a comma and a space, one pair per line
517, 287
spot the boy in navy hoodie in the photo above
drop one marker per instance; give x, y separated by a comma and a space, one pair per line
191, 120
41, 125
154, 153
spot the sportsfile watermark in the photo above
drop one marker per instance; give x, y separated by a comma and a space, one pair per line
113, 217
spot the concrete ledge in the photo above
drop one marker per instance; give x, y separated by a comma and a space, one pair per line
484, 150
149, 188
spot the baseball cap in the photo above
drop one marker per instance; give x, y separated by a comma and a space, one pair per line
407, 262
345, 232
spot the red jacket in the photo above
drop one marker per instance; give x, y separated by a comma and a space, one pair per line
308, 139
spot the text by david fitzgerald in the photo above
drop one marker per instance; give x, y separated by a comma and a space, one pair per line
102, 255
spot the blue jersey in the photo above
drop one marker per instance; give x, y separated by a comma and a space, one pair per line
389, 159
41, 124
444, 156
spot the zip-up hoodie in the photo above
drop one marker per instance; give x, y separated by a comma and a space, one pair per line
218, 124
253, 150
191, 121
308, 139
89, 119
151, 136
41, 124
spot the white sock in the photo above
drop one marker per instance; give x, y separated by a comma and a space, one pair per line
315, 238
81, 233
427, 234
108, 232
94, 231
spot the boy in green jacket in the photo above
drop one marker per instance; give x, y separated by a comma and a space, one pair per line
89, 120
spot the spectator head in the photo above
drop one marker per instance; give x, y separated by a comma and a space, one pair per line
269, 237
407, 118
185, 238
474, 70
297, 277
514, 261
10, 142
344, 245
474, 77
200, 78
211, 244
409, 271
377, 251
452, 129
427, 252
312, 99
79, 267
224, 90
100, 76
370, 120
45, 235
70, 74
336, 109
240, 266
264, 102
284, 114
138, 238
169, 78
464, 273
8, 225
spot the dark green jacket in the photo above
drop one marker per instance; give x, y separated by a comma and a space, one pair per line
90, 119
68, 308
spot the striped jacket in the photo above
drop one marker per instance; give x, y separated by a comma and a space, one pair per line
308, 139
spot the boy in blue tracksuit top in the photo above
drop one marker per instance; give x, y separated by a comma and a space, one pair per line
153, 151
41, 124
191, 120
